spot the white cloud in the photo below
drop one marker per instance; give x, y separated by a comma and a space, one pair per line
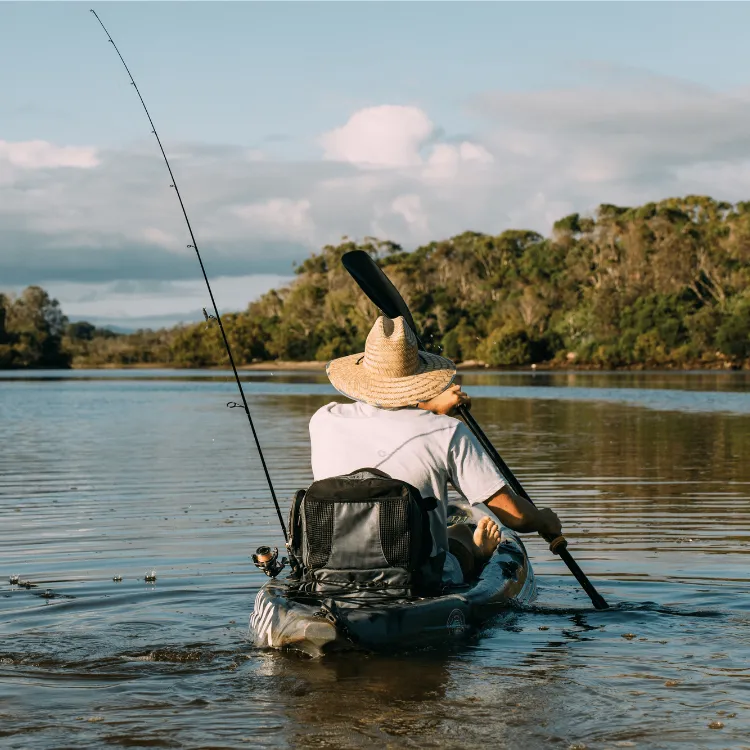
718, 178
409, 210
645, 125
44, 155
410, 207
133, 304
446, 160
277, 217
386, 171
385, 136
156, 236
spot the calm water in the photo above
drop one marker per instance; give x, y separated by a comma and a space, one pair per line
116, 473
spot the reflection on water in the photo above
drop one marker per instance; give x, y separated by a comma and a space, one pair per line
118, 475
697, 380
726, 392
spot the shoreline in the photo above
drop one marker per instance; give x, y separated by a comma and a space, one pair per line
313, 365
270, 366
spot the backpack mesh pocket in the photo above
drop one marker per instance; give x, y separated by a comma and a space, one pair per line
318, 531
395, 534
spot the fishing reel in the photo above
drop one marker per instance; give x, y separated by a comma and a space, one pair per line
267, 560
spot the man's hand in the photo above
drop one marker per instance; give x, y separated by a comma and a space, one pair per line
447, 401
547, 523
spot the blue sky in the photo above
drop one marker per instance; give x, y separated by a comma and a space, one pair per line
231, 72
295, 123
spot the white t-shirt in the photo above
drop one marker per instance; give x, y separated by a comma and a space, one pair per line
427, 450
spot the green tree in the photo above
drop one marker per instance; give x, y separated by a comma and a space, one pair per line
35, 324
733, 334
6, 350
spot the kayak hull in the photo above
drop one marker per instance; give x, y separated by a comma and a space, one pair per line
287, 619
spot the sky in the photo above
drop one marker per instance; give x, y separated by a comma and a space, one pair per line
290, 125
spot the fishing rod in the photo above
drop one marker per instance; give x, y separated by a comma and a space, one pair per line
194, 245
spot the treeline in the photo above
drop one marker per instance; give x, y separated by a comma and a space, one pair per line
661, 285
32, 327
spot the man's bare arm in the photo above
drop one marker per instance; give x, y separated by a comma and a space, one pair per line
511, 509
519, 514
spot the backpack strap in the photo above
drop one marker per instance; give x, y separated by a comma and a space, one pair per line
294, 545
367, 473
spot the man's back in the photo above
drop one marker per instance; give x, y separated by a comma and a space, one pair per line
427, 450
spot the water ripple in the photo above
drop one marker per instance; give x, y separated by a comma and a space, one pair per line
114, 474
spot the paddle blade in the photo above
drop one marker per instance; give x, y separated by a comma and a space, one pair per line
378, 287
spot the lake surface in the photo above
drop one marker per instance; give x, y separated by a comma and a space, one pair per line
116, 473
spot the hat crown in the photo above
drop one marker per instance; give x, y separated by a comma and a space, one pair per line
391, 373
391, 349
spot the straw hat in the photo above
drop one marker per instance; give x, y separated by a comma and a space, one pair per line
392, 372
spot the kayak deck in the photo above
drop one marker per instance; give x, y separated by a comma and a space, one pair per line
285, 618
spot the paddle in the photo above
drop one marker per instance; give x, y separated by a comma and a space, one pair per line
379, 288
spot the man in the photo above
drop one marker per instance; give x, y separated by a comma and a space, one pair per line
401, 423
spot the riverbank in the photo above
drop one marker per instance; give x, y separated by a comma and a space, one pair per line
280, 365
315, 365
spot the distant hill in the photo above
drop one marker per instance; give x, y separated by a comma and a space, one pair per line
660, 285
112, 328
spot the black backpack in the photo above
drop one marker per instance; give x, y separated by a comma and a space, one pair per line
364, 532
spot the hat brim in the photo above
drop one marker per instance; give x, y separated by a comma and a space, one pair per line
349, 377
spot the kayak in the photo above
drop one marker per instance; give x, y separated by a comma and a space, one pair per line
287, 618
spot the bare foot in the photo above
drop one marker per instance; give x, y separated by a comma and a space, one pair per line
486, 538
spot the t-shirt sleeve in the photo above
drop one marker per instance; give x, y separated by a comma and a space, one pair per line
471, 470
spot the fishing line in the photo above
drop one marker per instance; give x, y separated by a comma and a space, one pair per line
194, 245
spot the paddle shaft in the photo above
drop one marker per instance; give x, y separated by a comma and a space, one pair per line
381, 291
559, 548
